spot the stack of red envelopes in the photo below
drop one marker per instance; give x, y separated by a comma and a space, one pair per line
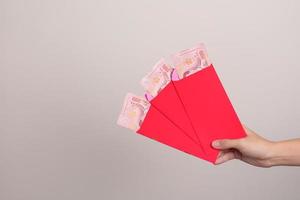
185, 105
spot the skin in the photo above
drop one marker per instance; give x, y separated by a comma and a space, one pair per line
258, 151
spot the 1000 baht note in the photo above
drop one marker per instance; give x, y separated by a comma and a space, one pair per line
133, 112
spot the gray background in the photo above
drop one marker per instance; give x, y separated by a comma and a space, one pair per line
65, 67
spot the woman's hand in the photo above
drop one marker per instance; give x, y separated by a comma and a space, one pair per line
257, 151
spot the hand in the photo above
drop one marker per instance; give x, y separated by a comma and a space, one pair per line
252, 149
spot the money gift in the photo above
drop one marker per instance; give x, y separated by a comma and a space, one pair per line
205, 100
185, 93
162, 95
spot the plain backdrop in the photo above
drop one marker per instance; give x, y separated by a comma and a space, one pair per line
65, 67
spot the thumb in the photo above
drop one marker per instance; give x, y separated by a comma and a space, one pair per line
226, 144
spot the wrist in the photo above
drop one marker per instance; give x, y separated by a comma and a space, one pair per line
282, 153
275, 157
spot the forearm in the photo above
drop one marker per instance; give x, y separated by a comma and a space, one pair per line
286, 153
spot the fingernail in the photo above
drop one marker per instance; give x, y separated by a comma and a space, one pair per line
216, 143
218, 161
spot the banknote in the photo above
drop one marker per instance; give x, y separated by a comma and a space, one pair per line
133, 111
157, 79
189, 61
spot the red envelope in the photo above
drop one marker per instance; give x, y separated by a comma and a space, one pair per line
168, 104
209, 109
156, 126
